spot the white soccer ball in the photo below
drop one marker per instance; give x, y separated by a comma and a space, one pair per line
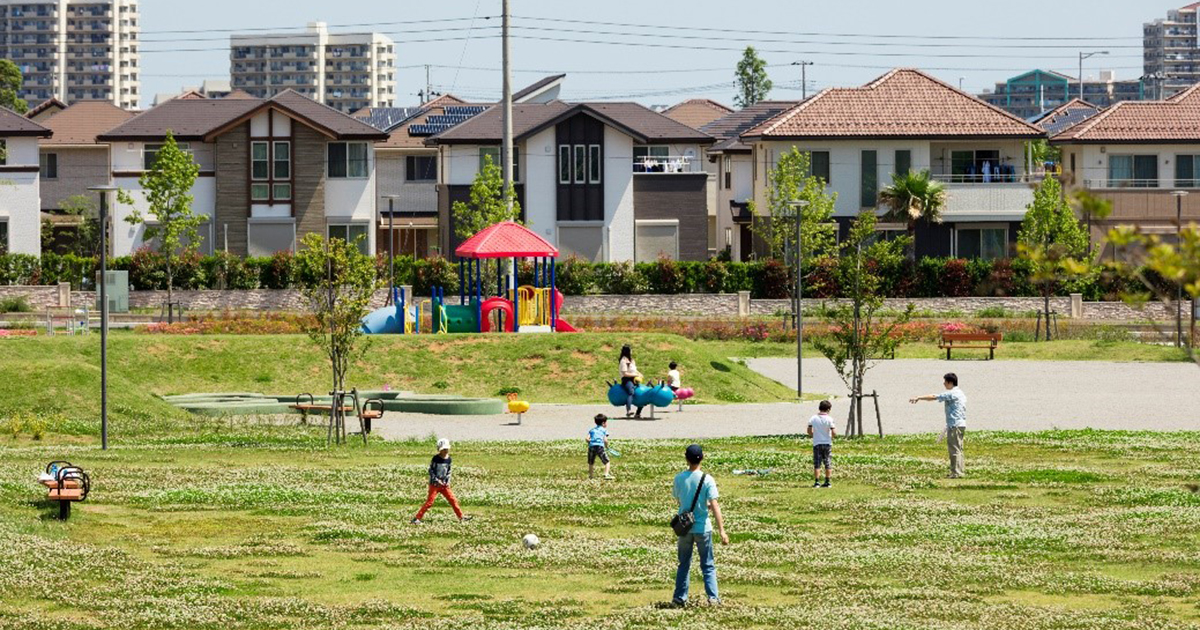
531, 541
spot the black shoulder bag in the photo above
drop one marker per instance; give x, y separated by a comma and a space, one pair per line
682, 523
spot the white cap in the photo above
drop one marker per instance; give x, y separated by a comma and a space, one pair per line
443, 444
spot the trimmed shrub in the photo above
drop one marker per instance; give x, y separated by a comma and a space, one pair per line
435, 272
774, 281
714, 276
21, 269
820, 279
277, 273
226, 271
620, 279
956, 279
15, 304
664, 276
574, 276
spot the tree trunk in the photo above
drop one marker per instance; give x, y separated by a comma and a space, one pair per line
1046, 298
170, 293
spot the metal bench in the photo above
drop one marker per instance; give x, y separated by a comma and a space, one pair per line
971, 341
65, 483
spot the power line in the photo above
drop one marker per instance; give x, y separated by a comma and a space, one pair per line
304, 28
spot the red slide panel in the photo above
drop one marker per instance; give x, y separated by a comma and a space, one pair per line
497, 304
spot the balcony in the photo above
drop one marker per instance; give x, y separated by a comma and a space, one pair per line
1001, 197
666, 165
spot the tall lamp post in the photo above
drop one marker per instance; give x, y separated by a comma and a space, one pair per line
104, 192
1082, 56
1179, 195
799, 207
391, 199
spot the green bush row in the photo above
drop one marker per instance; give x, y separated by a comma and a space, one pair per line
927, 277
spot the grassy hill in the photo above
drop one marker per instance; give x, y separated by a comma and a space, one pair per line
61, 374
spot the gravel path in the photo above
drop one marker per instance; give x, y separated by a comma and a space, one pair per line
1003, 395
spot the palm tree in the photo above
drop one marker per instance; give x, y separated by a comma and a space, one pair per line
914, 197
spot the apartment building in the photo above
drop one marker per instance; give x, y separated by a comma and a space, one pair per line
74, 50
271, 171
1171, 50
1036, 92
1138, 156
601, 181
347, 72
907, 120
20, 192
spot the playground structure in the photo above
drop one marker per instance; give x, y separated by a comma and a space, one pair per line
513, 308
657, 396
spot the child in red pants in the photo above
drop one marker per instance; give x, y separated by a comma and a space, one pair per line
439, 483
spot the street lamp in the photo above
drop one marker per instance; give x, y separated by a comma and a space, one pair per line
1082, 56
1179, 195
799, 206
104, 192
391, 199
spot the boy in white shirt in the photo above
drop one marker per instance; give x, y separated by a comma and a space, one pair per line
674, 379
822, 431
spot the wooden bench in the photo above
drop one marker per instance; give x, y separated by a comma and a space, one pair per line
971, 341
65, 483
369, 410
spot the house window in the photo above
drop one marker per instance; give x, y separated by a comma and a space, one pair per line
3, 235
348, 160
49, 165
150, 153
354, 233
580, 170
260, 161
987, 242
264, 237
903, 161
494, 154
564, 164
889, 232
656, 239
869, 179
583, 241
1133, 171
818, 165
1187, 171
650, 159
727, 167
975, 166
270, 171
595, 164
420, 168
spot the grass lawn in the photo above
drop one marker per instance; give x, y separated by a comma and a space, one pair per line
248, 528
1069, 350
62, 373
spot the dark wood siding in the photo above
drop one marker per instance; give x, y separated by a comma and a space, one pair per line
682, 196
233, 189
580, 201
308, 197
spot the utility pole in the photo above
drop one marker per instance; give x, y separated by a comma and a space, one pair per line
428, 87
803, 77
1179, 195
1082, 56
506, 158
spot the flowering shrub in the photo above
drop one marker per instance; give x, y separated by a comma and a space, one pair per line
277, 273
232, 324
21, 332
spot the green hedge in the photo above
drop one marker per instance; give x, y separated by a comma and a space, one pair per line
928, 277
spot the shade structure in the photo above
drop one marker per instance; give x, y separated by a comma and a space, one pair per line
506, 240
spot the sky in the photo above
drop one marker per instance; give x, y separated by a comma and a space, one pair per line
668, 51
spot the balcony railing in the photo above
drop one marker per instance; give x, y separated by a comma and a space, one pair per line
1006, 174
665, 164
1121, 184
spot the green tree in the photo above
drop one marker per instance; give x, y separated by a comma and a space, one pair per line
11, 82
1053, 240
791, 184
857, 331
488, 205
167, 188
914, 197
84, 240
753, 84
337, 283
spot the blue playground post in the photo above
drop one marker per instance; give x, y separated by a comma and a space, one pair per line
516, 297
401, 310
479, 295
536, 284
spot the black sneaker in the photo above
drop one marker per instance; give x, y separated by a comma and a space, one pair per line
417, 521
678, 603
816, 484
825, 485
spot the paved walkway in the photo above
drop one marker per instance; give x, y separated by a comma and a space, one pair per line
1004, 395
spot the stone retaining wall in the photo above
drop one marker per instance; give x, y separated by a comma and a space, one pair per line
694, 305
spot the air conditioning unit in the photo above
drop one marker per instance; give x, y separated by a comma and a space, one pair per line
116, 288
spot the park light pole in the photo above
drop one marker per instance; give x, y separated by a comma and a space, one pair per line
799, 206
391, 199
1179, 195
104, 192
1082, 56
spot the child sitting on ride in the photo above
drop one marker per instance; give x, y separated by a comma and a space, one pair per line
674, 379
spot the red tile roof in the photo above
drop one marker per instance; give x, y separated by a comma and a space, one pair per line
80, 123
506, 240
697, 112
903, 103
1174, 120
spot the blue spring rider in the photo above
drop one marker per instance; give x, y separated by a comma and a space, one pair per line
659, 396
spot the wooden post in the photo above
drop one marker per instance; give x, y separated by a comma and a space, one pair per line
878, 417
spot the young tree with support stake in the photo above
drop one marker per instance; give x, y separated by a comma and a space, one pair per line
167, 188
1053, 240
857, 332
337, 282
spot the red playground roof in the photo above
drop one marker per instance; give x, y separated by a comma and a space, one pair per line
506, 240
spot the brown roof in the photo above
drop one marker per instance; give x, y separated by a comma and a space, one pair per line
903, 103
44, 106
638, 121
239, 94
80, 123
697, 112
728, 129
202, 119
1174, 120
537, 86
1066, 115
14, 124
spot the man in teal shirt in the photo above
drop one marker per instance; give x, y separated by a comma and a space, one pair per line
956, 420
692, 485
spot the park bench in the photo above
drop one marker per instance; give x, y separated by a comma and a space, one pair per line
65, 483
971, 341
369, 410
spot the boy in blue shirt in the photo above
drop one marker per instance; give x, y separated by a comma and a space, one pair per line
597, 441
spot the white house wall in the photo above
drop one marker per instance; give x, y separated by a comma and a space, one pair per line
1091, 161
20, 198
353, 200
539, 165
128, 238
